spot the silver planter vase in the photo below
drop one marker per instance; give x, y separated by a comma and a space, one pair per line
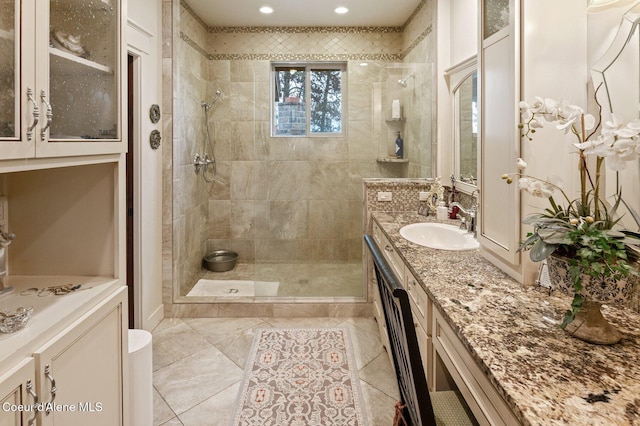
589, 325
602, 289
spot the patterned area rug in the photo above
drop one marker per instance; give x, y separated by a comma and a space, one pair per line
300, 377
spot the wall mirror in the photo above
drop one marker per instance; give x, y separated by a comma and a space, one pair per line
617, 76
617, 72
462, 80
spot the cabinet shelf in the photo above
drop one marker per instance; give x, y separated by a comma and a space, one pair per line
392, 160
70, 64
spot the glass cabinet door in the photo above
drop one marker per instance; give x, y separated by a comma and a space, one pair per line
9, 73
10, 70
495, 17
19, 112
83, 103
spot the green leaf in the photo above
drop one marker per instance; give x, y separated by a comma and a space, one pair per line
568, 317
541, 250
554, 235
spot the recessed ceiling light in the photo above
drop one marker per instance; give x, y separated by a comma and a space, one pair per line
266, 10
341, 10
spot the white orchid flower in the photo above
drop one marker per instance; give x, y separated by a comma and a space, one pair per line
589, 146
538, 106
551, 106
536, 124
536, 187
523, 106
589, 121
627, 132
520, 163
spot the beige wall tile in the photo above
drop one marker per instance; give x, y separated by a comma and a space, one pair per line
268, 187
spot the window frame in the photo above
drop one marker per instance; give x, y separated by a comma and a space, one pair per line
310, 66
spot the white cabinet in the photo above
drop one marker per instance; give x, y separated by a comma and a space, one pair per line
396, 263
17, 389
421, 310
77, 376
81, 371
61, 89
390, 254
499, 90
481, 396
520, 60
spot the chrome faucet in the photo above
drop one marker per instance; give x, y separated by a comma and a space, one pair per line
468, 223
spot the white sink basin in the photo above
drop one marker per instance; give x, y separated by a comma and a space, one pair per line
439, 236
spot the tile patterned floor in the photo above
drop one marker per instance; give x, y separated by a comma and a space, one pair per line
198, 366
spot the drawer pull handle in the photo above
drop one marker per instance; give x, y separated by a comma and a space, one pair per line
31, 392
36, 114
54, 389
388, 248
43, 132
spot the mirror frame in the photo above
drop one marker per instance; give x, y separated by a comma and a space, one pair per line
455, 76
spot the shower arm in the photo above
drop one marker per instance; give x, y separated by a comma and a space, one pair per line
403, 81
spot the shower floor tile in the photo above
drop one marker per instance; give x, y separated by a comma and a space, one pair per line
293, 280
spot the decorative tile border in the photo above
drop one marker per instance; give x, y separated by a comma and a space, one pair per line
289, 56
306, 57
197, 17
195, 45
307, 30
414, 14
304, 30
417, 41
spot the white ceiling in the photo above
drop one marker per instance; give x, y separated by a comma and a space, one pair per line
303, 13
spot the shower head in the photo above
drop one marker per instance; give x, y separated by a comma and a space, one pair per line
208, 106
403, 81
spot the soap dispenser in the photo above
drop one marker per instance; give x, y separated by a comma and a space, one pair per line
399, 146
441, 211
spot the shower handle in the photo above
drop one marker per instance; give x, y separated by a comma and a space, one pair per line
201, 162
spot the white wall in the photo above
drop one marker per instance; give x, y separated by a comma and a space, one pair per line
464, 30
457, 23
144, 43
554, 65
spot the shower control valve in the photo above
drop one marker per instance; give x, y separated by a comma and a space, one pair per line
201, 162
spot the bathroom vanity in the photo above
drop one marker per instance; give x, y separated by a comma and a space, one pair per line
62, 186
500, 343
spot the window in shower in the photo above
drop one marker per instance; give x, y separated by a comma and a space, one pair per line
308, 99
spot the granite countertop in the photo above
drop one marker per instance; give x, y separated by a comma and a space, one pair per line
543, 374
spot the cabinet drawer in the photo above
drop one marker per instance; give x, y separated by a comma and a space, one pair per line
378, 315
481, 396
421, 305
426, 353
389, 252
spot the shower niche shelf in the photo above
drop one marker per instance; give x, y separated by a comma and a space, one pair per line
392, 160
